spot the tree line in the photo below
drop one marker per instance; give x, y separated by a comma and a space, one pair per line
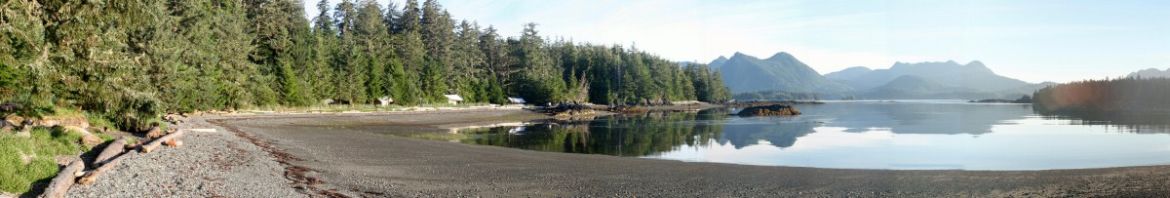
131, 60
1121, 95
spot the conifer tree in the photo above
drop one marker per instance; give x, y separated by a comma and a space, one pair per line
324, 48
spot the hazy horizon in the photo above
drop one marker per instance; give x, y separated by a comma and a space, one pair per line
1036, 41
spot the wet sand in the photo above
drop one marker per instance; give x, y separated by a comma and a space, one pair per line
355, 156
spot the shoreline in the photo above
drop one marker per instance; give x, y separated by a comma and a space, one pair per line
354, 155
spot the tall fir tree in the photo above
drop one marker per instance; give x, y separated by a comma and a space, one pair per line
324, 48
540, 81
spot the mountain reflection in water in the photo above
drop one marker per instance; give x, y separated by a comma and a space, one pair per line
650, 133
906, 128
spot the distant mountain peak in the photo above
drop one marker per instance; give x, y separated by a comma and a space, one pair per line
899, 64
718, 62
949, 74
848, 73
781, 56
744, 73
857, 68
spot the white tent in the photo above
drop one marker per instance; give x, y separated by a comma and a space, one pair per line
385, 100
516, 100
453, 99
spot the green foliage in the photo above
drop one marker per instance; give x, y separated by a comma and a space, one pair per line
708, 85
128, 62
136, 111
27, 160
291, 91
12, 82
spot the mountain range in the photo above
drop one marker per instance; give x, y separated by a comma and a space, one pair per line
1151, 73
746, 75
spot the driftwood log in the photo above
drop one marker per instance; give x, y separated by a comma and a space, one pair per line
155, 132
92, 176
111, 150
154, 144
65, 179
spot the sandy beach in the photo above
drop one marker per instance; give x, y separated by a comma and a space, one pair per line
359, 155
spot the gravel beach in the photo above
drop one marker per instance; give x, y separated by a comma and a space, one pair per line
209, 164
355, 156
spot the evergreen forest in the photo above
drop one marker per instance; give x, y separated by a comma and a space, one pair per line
130, 61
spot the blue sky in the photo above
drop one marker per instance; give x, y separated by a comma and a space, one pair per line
1030, 40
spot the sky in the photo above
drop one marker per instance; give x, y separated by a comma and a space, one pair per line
1035, 41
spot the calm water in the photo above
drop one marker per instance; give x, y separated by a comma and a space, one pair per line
864, 134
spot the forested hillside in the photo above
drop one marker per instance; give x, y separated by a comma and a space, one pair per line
1128, 95
131, 60
781, 72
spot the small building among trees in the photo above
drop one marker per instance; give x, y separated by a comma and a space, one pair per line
454, 99
385, 101
516, 100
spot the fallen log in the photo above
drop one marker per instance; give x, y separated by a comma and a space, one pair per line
88, 139
92, 176
60, 184
158, 142
155, 132
113, 149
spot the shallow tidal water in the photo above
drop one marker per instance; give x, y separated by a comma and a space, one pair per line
909, 135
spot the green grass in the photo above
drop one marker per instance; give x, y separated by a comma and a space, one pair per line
66, 112
98, 121
27, 160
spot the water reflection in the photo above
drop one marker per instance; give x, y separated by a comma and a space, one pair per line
651, 133
1134, 122
897, 135
917, 118
624, 135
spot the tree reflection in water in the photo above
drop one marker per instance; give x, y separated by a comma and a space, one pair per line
622, 135
658, 132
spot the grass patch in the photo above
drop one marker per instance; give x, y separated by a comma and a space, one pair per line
25, 161
98, 121
59, 112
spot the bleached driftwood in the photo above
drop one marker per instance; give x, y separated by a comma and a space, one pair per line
158, 142
111, 150
92, 176
65, 179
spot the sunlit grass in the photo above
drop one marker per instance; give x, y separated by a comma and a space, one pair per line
98, 121
27, 160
